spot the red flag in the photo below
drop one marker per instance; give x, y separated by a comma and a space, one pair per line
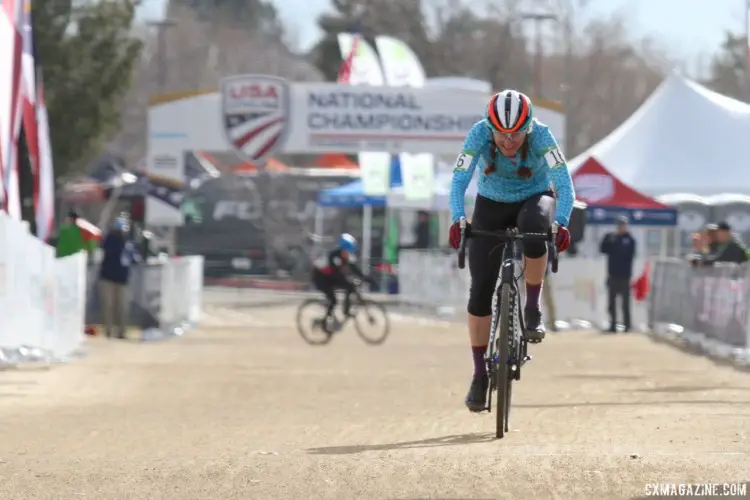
642, 285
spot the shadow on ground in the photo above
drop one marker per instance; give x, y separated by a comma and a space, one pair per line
675, 389
601, 376
454, 440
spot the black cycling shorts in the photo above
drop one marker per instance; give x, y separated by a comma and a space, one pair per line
533, 215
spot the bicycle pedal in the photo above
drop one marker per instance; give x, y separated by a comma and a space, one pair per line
526, 358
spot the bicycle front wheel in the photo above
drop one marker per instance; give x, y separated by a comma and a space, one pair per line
311, 322
372, 322
502, 374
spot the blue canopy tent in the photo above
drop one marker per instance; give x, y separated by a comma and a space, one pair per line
352, 195
349, 195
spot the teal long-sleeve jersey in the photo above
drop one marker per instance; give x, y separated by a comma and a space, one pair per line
545, 160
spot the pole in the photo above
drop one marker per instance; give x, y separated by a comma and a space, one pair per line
161, 83
538, 19
538, 59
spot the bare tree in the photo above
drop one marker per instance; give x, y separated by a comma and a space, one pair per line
201, 48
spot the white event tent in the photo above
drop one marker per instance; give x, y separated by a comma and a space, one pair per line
683, 139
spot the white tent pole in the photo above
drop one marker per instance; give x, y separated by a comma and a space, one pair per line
318, 230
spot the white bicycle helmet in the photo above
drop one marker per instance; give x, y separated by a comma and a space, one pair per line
509, 111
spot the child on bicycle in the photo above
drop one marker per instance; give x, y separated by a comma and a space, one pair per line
333, 274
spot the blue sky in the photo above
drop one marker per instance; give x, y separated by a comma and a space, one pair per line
687, 28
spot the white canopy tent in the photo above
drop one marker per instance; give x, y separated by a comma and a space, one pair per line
683, 139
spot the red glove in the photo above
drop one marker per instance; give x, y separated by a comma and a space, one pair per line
454, 235
563, 239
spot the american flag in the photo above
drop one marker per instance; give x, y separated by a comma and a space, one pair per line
44, 180
36, 127
28, 68
11, 15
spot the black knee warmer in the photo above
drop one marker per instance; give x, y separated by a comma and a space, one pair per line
480, 300
534, 250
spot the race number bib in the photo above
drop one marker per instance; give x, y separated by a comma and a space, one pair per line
554, 158
462, 162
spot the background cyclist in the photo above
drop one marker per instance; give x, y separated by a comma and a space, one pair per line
521, 163
334, 273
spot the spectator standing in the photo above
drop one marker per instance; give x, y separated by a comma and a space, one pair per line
619, 247
727, 248
114, 273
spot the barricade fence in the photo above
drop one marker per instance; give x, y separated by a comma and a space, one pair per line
431, 278
46, 302
705, 307
165, 296
42, 299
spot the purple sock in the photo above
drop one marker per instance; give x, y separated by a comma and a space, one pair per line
480, 366
532, 295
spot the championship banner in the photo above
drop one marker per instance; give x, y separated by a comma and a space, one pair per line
259, 116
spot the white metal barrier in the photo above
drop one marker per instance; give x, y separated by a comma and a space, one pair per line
181, 291
42, 299
431, 278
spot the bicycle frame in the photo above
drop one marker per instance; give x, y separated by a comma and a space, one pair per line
507, 275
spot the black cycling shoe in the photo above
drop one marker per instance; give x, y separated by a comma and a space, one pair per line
476, 399
534, 331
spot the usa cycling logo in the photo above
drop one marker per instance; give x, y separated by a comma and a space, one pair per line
255, 111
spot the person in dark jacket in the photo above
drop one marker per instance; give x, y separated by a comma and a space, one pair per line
114, 273
727, 248
619, 247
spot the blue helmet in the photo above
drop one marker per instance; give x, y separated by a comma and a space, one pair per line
348, 242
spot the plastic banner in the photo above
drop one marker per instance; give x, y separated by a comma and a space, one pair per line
375, 169
418, 174
366, 67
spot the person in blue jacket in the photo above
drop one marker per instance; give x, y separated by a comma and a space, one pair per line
619, 247
114, 274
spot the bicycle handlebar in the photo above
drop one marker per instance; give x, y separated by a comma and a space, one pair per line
505, 236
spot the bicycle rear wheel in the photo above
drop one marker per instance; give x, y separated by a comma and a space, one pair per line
502, 374
310, 322
372, 323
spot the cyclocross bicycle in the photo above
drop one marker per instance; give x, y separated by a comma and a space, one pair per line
317, 329
508, 351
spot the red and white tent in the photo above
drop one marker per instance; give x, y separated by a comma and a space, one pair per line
608, 197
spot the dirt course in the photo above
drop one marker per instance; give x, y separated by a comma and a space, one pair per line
243, 409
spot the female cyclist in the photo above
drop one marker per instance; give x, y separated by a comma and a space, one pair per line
521, 164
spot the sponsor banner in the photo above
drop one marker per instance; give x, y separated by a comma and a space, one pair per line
637, 217
712, 301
